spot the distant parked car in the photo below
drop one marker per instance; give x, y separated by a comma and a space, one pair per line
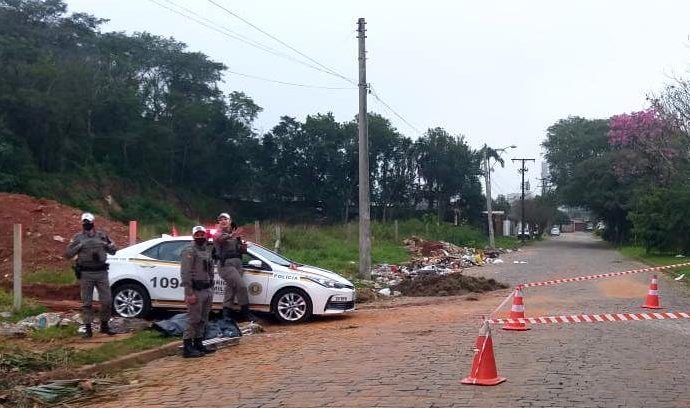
555, 231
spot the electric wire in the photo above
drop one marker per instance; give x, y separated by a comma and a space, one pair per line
378, 98
283, 43
235, 36
288, 83
238, 37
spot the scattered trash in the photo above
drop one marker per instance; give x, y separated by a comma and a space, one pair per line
251, 328
45, 320
61, 390
121, 325
429, 258
681, 276
12, 330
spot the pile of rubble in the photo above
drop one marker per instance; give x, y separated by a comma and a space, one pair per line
431, 258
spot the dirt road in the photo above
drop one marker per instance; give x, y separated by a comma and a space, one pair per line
414, 356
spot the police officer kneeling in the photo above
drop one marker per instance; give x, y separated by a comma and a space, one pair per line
90, 247
196, 272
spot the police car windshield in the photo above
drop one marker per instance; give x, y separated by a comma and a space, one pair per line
271, 256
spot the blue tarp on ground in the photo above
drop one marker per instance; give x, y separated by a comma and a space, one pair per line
223, 327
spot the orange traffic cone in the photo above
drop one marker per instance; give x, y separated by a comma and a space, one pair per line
652, 299
517, 311
483, 370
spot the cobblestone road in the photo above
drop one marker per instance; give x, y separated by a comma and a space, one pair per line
414, 356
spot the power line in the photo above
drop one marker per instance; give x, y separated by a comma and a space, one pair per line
235, 36
330, 70
378, 98
286, 83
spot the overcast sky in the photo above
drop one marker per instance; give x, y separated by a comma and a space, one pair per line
498, 72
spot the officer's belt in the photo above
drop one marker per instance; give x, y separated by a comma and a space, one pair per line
201, 285
97, 268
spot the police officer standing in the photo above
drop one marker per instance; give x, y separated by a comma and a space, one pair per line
228, 250
90, 247
196, 270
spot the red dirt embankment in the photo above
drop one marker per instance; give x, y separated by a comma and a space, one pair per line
47, 227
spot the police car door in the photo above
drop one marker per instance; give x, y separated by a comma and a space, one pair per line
162, 272
256, 274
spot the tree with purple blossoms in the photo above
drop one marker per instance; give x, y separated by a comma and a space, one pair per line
647, 147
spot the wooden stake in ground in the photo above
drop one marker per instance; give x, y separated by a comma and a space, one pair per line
277, 245
17, 267
257, 232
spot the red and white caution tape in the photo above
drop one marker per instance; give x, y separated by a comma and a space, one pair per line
602, 275
597, 318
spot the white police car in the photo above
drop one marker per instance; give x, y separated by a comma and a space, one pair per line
147, 275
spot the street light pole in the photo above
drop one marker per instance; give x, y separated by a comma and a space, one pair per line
487, 184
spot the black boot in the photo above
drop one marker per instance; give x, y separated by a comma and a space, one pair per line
199, 345
88, 333
247, 315
227, 313
105, 329
189, 351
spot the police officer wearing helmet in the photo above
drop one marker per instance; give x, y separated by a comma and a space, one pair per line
90, 247
196, 272
228, 250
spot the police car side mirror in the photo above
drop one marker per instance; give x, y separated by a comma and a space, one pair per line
255, 263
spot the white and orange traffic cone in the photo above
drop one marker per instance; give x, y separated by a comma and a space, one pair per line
651, 301
517, 311
483, 370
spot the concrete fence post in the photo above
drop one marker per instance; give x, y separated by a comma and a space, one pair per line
132, 232
17, 263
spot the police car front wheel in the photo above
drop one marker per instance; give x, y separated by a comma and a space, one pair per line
131, 300
292, 305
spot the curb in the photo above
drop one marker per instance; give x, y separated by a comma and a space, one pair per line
120, 363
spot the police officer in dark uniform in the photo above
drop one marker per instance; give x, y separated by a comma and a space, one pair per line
90, 247
196, 270
228, 250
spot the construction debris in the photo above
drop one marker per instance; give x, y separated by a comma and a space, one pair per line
429, 259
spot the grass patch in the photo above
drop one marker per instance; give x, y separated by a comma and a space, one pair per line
28, 308
51, 276
139, 341
336, 247
655, 259
13, 358
50, 334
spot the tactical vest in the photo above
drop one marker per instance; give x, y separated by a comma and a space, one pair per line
92, 255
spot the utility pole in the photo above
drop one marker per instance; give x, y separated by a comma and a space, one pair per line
522, 170
364, 216
487, 184
544, 185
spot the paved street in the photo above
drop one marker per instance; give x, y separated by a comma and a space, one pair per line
414, 356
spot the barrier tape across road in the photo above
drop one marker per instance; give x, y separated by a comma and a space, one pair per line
602, 275
597, 318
